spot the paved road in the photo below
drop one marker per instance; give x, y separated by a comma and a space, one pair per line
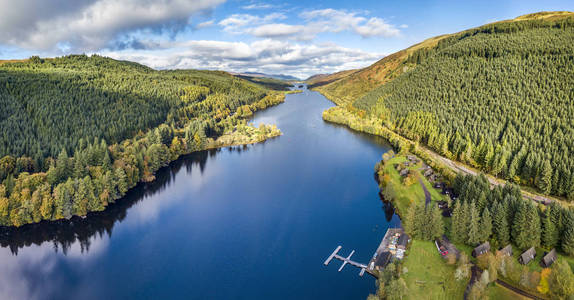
518, 291
475, 273
461, 168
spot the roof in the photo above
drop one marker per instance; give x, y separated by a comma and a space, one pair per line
549, 258
383, 259
482, 248
507, 250
403, 240
528, 255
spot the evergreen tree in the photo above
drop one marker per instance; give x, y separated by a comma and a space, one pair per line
121, 180
568, 241
519, 234
500, 222
408, 221
545, 178
107, 162
485, 225
533, 229
436, 224
549, 233
474, 236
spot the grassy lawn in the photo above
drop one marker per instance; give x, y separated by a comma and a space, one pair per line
412, 193
499, 292
428, 276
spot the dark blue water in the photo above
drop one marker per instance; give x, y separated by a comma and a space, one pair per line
252, 222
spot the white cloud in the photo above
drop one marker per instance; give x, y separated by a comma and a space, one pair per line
89, 24
376, 27
268, 56
277, 30
205, 24
314, 22
257, 6
237, 23
332, 20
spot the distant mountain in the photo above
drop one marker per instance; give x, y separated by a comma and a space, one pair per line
274, 76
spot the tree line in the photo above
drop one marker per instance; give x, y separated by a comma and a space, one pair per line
501, 216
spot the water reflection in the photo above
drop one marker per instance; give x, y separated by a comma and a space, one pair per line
82, 232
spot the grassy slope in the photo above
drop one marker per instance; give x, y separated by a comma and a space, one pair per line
412, 193
428, 276
347, 86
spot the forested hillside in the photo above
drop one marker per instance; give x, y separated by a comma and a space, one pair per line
79, 131
499, 97
347, 86
52, 104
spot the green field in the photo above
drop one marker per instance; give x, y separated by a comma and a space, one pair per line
428, 276
405, 195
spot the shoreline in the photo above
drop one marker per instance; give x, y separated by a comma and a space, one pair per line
242, 133
445, 166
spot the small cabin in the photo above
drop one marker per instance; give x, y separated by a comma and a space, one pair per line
481, 249
403, 241
549, 259
428, 173
527, 256
382, 260
506, 250
404, 172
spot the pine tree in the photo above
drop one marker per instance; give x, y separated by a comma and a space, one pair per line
63, 169
458, 223
436, 225
408, 221
473, 228
420, 224
500, 222
544, 181
485, 225
519, 228
568, 241
107, 162
80, 198
534, 227
121, 180
549, 233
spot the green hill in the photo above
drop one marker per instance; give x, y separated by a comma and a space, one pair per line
78, 132
499, 97
52, 104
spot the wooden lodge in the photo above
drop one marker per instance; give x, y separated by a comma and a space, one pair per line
404, 172
481, 249
382, 260
507, 250
549, 259
403, 241
527, 256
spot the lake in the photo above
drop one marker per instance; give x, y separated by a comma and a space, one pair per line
248, 222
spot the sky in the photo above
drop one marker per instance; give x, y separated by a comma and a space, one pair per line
299, 38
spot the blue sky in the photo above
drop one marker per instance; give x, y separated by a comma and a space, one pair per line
288, 37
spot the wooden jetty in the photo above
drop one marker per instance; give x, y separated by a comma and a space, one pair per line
345, 260
379, 260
